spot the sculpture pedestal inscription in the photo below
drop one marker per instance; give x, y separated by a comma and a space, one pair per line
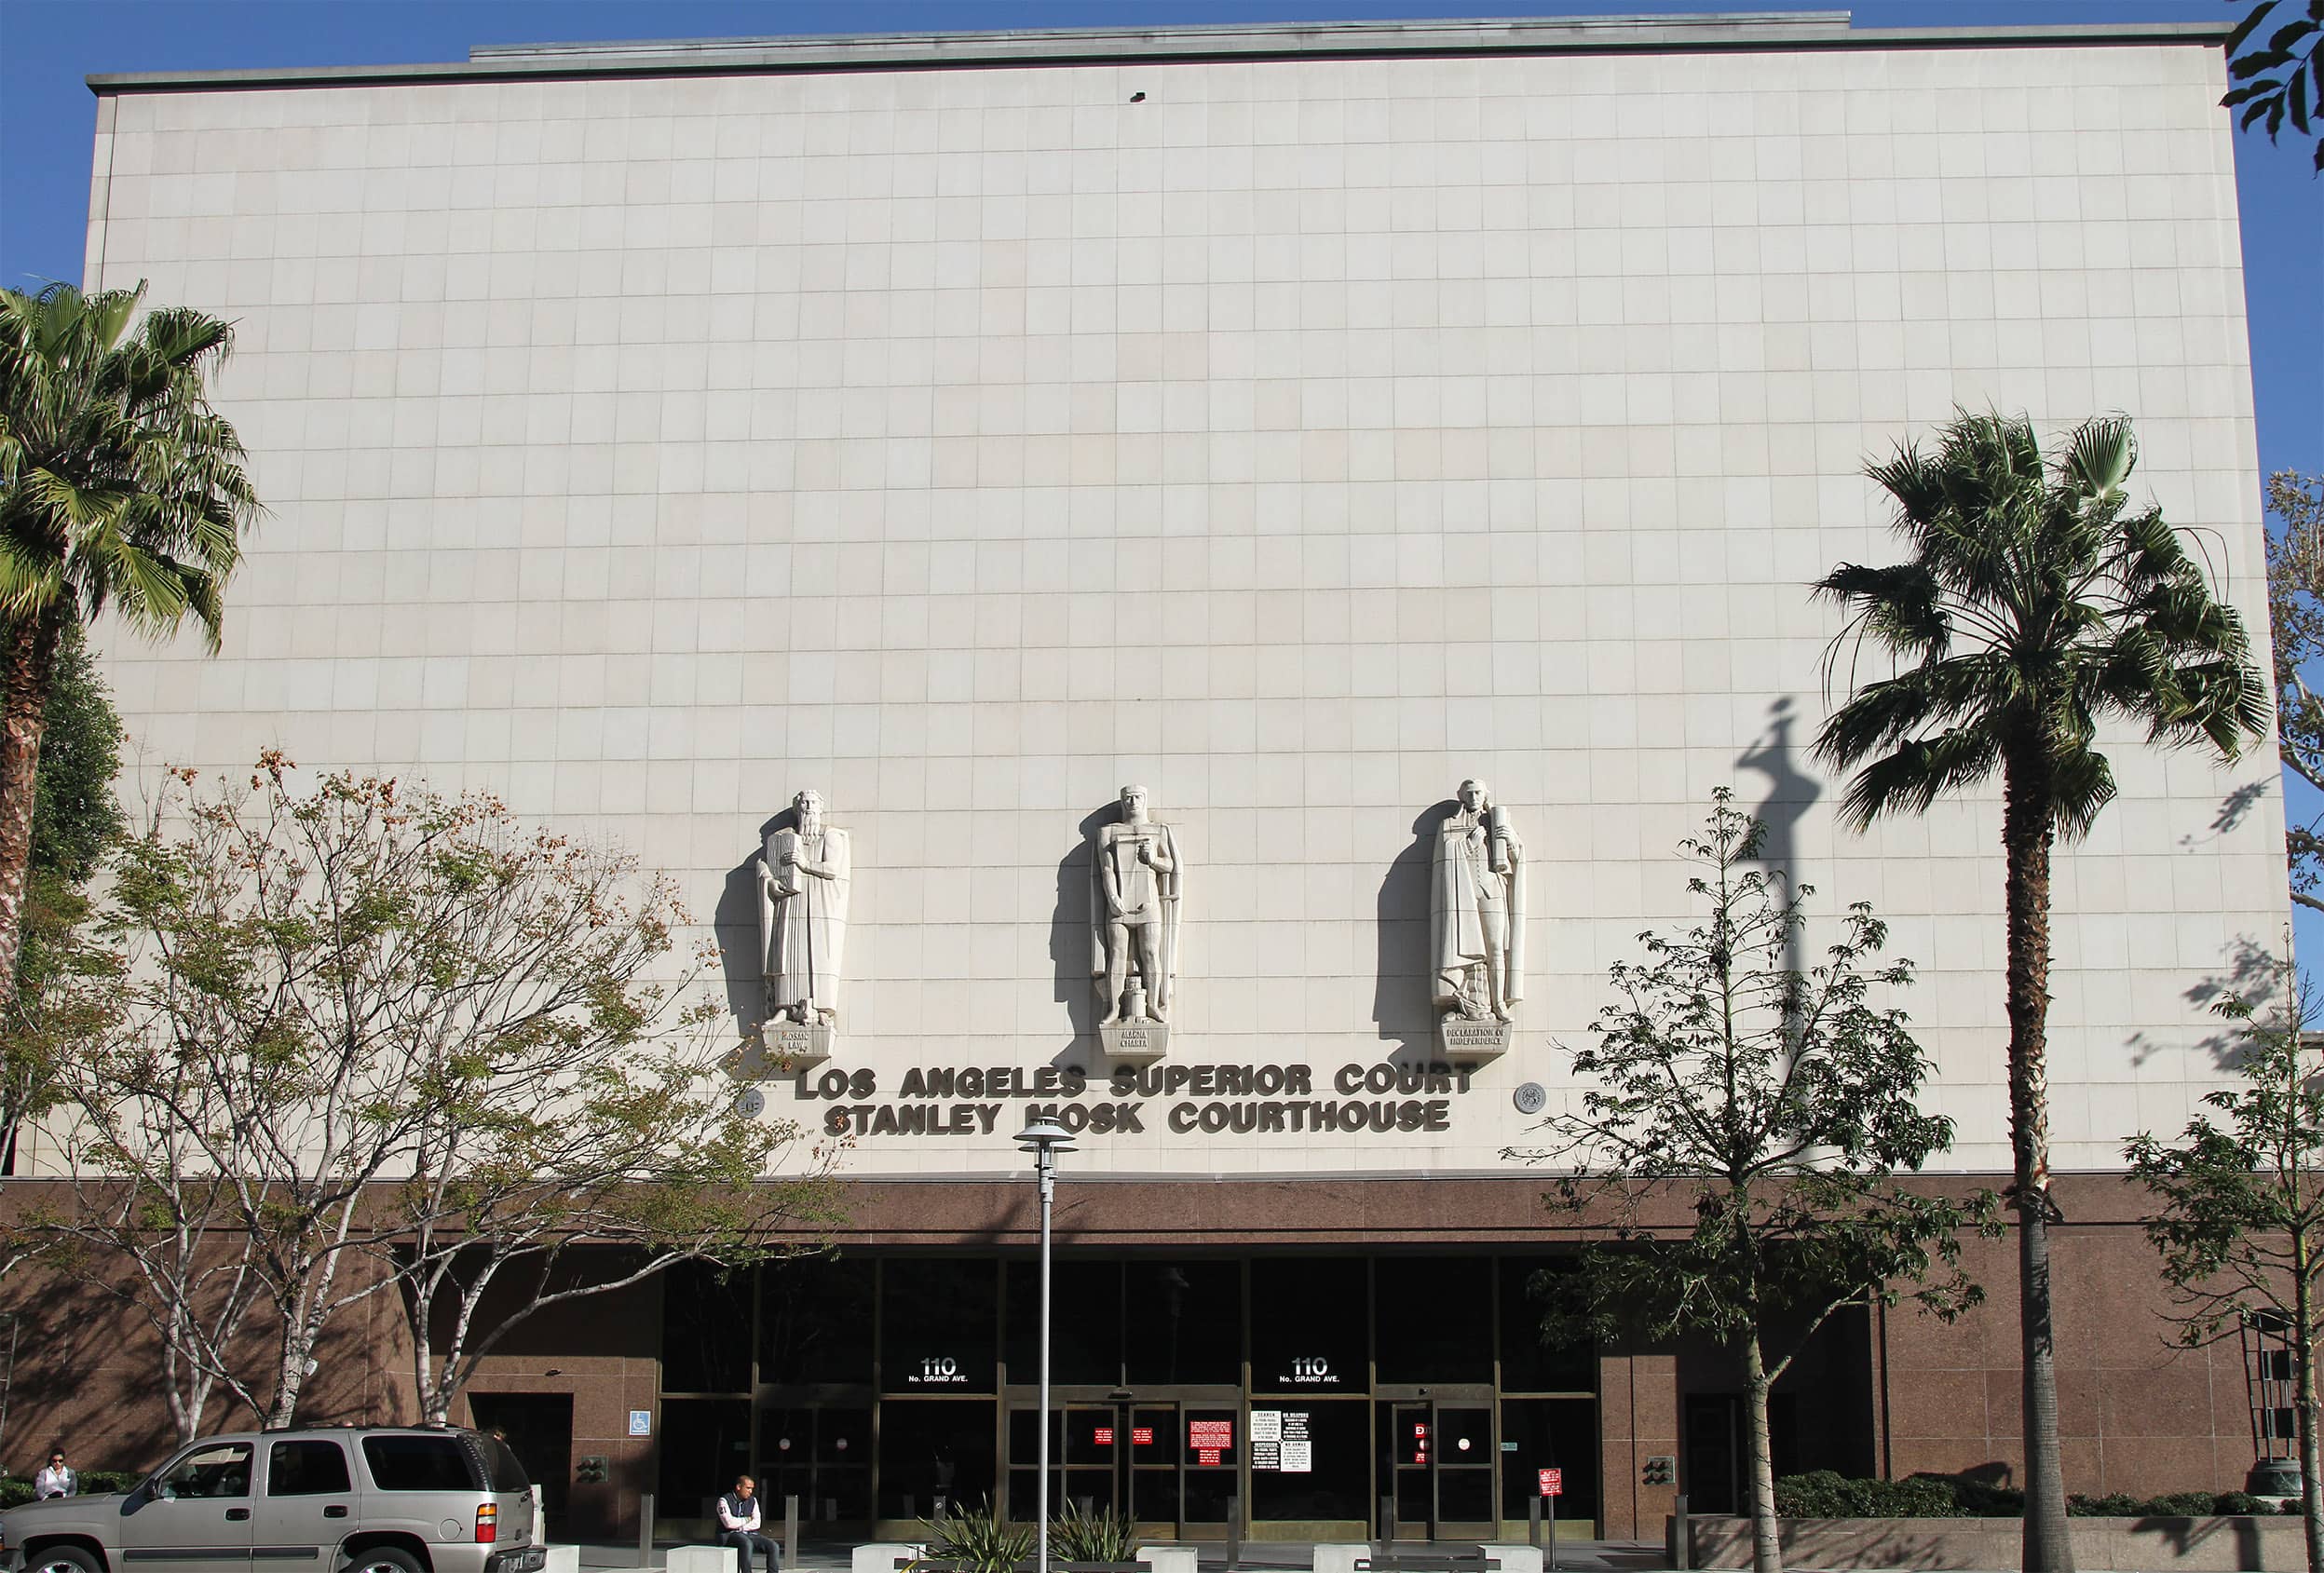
1467, 1041
1135, 1041
798, 1046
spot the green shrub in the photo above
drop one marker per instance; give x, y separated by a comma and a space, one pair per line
1826, 1494
1075, 1536
14, 1492
978, 1539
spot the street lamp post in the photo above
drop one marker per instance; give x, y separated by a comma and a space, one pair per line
1044, 1139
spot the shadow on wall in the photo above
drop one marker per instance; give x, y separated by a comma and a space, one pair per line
1790, 793
741, 961
2251, 972
1069, 944
1401, 998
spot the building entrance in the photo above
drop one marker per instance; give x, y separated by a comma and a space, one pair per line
1439, 1472
1169, 1465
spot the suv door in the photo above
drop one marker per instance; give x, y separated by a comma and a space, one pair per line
195, 1515
308, 1504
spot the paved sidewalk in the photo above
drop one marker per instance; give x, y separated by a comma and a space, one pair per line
833, 1556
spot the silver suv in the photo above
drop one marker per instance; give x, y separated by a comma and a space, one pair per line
341, 1499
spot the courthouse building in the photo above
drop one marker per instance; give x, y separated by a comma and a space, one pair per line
838, 468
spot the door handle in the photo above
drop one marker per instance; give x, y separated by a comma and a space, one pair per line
336, 1510
235, 1515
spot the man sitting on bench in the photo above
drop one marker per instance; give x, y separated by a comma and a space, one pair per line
738, 1515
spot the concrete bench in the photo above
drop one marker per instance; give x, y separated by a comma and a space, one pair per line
699, 1559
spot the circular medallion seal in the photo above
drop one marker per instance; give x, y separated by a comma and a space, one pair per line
1529, 1098
749, 1103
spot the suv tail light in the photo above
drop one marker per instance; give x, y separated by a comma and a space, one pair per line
487, 1523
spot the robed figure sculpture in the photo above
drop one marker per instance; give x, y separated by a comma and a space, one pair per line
1134, 880
1476, 912
803, 879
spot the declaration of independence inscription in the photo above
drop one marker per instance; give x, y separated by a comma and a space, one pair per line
1211, 1099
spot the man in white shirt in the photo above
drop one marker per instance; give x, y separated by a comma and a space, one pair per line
739, 1514
56, 1480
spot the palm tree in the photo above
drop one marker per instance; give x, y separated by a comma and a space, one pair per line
2035, 604
120, 486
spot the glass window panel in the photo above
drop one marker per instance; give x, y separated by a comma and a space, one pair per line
1024, 1496
705, 1329
1208, 1492
1214, 1438
1465, 1436
933, 1455
1336, 1487
1092, 1436
937, 1317
1528, 1365
306, 1468
1435, 1319
815, 1321
1308, 1323
843, 1437
1085, 1321
705, 1443
1559, 1434
1154, 1496
1464, 1496
1185, 1321
225, 1470
1154, 1434
1025, 1436
786, 1455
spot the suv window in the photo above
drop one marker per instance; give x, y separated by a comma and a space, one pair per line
221, 1470
503, 1473
306, 1468
418, 1463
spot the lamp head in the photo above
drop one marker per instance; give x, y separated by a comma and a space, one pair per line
1045, 1136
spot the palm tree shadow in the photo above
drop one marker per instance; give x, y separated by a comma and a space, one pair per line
1400, 971
1790, 793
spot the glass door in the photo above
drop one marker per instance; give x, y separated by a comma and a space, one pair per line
1437, 1470
1151, 1462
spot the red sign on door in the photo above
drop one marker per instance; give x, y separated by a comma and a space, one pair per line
1141, 1436
1103, 1436
1210, 1433
1206, 1454
1552, 1483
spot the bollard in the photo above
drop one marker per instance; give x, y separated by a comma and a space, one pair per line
791, 1530
1387, 1523
646, 1529
1532, 1521
1235, 1531
1682, 1554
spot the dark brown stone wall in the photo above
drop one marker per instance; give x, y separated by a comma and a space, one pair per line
2141, 1414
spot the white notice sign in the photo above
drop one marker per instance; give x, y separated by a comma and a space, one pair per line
1266, 1425
1299, 1451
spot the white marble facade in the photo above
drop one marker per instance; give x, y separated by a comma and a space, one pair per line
1297, 442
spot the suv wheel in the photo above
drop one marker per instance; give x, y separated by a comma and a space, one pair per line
63, 1559
381, 1559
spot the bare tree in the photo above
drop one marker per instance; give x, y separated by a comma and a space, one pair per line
363, 1031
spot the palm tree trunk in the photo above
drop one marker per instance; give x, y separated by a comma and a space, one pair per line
28, 653
2029, 827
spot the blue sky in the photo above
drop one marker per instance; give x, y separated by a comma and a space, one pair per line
48, 116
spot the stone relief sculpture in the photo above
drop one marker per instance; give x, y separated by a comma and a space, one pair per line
804, 875
1135, 880
1477, 925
